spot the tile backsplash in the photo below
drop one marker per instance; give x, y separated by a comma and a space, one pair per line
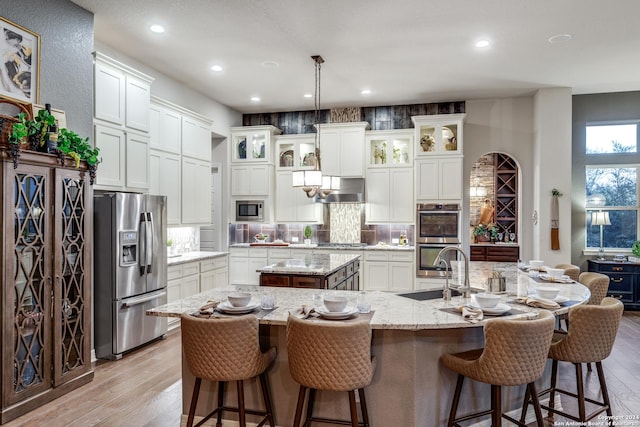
183, 239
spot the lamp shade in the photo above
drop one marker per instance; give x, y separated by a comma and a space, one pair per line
307, 178
330, 182
600, 218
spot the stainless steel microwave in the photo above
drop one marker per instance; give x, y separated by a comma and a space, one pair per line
250, 210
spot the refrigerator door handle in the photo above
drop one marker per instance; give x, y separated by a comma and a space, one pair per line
142, 242
142, 300
150, 243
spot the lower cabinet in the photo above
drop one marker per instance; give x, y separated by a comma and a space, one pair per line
243, 263
623, 280
214, 273
346, 278
388, 271
496, 253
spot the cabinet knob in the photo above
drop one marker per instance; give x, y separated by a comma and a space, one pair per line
616, 296
617, 269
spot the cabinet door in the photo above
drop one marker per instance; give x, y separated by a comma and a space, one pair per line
401, 206
138, 100
196, 139
109, 103
378, 197
450, 178
352, 153
196, 191
427, 179
220, 277
250, 180
111, 143
331, 151
285, 202
207, 280
137, 162
165, 179
377, 274
165, 129
189, 285
238, 271
253, 277
401, 276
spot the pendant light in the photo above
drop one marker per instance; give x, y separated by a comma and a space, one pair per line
312, 182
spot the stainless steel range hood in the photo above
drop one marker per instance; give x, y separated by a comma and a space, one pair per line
351, 191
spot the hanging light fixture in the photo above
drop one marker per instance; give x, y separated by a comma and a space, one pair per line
312, 181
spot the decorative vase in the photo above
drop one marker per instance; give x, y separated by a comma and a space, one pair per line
307, 241
483, 238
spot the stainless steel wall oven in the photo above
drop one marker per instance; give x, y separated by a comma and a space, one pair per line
437, 226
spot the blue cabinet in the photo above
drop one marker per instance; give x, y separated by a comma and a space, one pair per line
623, 283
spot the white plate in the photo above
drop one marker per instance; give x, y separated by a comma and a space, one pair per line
336, 315
559, 299
499, 309
225, 307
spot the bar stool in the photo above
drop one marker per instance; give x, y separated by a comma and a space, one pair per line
515, 353
598, 285
589, 339
330, 356
573, 271
226, 349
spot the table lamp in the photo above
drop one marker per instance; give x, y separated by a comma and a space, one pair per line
600, 218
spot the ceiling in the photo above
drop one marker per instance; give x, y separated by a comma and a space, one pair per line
404, 51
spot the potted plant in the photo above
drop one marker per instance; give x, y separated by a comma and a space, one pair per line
307, 234
635, 250
485, 232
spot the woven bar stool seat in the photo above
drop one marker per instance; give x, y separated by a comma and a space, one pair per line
332, 356
222, 350
590, 339
515, 353
573, 271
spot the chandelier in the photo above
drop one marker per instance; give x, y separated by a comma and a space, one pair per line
312, 182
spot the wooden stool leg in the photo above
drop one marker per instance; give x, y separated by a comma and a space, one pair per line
580, 386
525, 404
301, 394
241, 415
221, 385
363, 407
456, 399
311, 402
554, 378
266, 395
353, 408
531, 388
496, 406
603, 387
194, 402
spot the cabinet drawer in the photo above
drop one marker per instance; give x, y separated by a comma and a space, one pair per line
351, 268
190, 268
258, 253
336, 278
239, 252
613, 268
401, 256
307, 282
271, 280
213, 264
620, 283
625, 297
376, 256
174, 272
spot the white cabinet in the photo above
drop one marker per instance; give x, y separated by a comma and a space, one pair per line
390, 195
196, 202
342, 149
137, 162
166, 129
251, 180
243, 263
438, 178
183, 280
295, 152
138, 95
165, 180
214, 273
292, 204
109, 97
252, 144
438, 134
388, 270
196, 138
389, 148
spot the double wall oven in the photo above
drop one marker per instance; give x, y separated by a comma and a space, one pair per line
437, 226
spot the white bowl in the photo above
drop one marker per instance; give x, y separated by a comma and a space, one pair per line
485, 300
239, 299
335, 304
555, 272
547, 292
536, 263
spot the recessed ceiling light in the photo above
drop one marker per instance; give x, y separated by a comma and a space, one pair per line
255, 99
482, 43
157, 28
270, 64
308, 95
216, 67
560, 38
365, 92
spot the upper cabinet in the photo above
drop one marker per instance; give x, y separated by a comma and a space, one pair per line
252, 143
122, 120
389, 148
438, 134
295, 152
342, 149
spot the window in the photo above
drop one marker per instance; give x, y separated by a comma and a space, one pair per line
611, 185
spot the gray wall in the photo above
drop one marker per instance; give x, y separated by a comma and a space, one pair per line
66, 63
593, 108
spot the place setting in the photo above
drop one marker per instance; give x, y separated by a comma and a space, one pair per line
334, 307
239, 303
545, 297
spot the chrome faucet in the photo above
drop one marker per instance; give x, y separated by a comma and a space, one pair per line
466, 289
446, 292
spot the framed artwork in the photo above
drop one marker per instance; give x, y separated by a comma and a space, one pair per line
19, 62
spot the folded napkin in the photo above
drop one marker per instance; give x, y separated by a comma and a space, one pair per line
471, 314
211, 304
535, 301
304, 312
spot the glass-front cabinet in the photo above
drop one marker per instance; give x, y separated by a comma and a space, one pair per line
295, 151
438, 134
252, 143
389, 148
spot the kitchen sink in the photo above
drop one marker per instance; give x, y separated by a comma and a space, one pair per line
429, 295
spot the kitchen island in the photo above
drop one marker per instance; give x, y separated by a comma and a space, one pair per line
410, 386
326, 271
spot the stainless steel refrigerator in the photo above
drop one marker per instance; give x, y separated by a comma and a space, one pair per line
130, 270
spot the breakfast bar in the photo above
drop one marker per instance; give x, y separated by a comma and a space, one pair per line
410, 386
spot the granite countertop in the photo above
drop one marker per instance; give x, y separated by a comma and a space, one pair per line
336, 246
310, 265
390, 311
193, 256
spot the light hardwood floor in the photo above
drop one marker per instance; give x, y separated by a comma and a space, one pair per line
144, 387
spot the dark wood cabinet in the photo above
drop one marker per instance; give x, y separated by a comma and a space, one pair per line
624, 282
46, 273
496, 253
345, 278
